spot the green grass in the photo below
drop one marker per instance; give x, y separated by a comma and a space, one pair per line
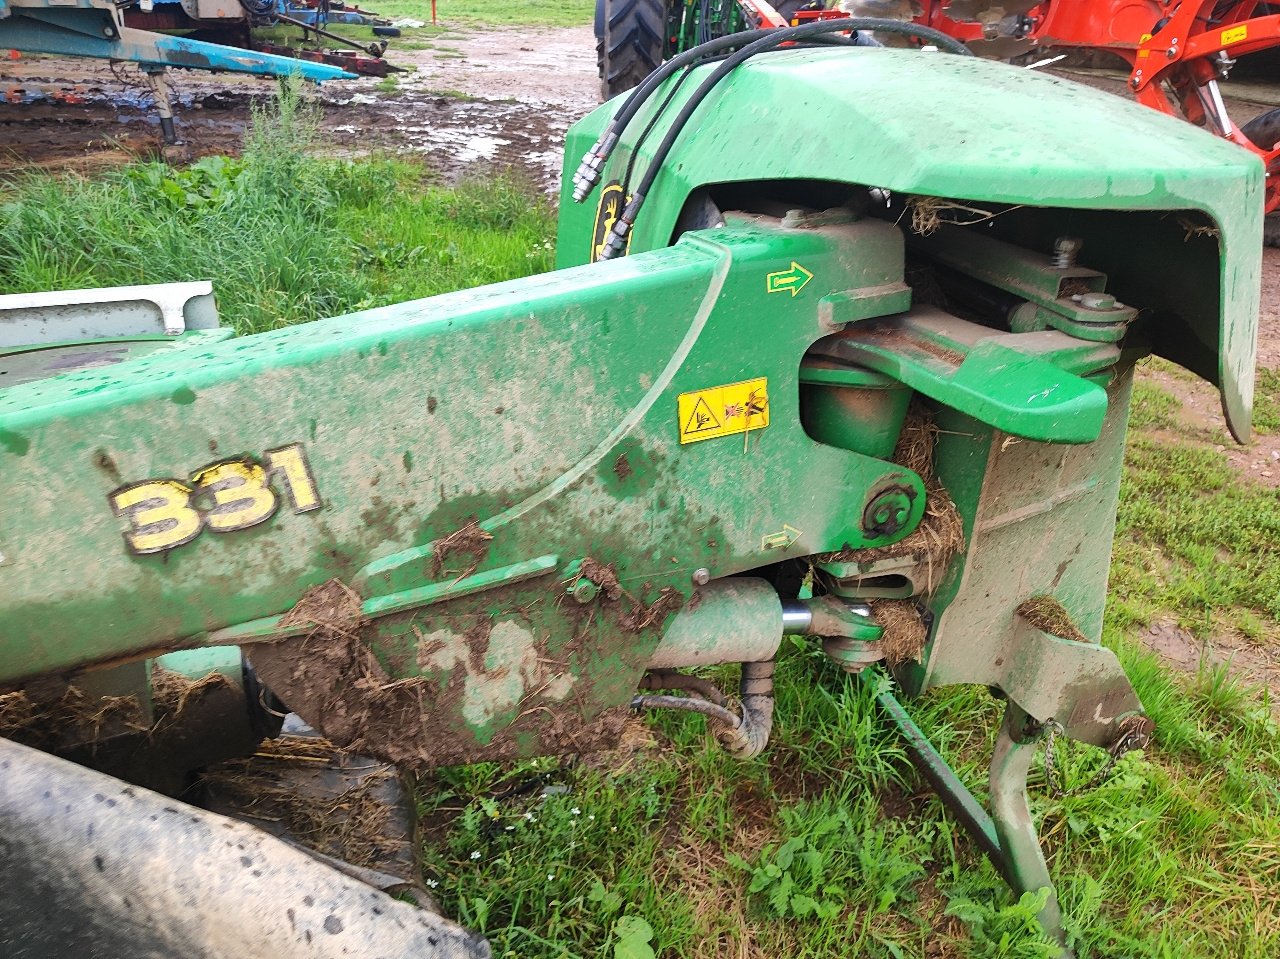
286, 236
468, 14
829, 844
1266, 407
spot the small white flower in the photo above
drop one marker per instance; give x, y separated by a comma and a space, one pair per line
576, 811
531, 817
591, 815
613, 829
509, 828
432, 883
550, 876
475, 854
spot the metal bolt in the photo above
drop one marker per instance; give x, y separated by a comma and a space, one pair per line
887, 512
1137, 80
1065, 249
1097, 301
701, 576
584, 590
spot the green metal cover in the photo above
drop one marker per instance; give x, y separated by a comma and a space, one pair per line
981, 131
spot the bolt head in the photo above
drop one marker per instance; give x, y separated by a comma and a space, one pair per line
584, 591
701, 576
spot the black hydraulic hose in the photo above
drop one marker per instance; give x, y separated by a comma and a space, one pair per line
675, 88
588, 172
617, 240
659, 679
781, 34
743, 736
692, 704
693, 55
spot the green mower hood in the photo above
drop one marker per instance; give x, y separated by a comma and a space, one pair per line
991, 136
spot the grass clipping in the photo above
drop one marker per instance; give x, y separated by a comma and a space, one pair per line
934, 543
904, 633
1048, 615
354, 824
76, 716
940, 536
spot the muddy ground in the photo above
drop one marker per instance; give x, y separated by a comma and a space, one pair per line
501, 97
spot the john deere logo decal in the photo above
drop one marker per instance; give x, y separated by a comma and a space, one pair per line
612, 203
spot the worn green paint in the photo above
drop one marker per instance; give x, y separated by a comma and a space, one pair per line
511, 399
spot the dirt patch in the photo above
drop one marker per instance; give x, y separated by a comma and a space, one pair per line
1252, 663
641, 616
333, 680
604, 576
330, 677
470, 541
1198, 416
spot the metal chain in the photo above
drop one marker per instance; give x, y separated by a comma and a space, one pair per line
1134, 733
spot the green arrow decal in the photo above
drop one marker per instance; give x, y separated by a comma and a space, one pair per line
788, 281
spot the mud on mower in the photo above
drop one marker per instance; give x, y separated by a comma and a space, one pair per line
822, 357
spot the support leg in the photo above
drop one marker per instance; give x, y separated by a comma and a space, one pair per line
155, 79
1026, 870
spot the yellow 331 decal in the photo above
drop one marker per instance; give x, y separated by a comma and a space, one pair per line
223, 497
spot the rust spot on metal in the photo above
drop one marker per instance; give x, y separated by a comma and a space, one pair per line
103, 461
621, 467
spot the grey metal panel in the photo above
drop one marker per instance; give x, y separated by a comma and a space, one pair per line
28, 319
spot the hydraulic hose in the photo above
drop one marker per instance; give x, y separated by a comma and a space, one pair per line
772, 38
588, 173
743, 736
671, 94
749, 738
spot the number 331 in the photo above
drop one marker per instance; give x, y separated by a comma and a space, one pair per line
233, 494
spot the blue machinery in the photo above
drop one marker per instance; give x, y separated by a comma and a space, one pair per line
96, 28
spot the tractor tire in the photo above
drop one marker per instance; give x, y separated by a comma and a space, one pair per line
1264, 131
629, 42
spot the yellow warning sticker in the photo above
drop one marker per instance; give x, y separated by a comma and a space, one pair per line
724, 410
1143, 54
1235, 35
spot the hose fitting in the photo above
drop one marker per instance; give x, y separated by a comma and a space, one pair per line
744, 734
588, 173
749, 738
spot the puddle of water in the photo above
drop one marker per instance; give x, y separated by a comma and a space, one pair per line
456, 134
